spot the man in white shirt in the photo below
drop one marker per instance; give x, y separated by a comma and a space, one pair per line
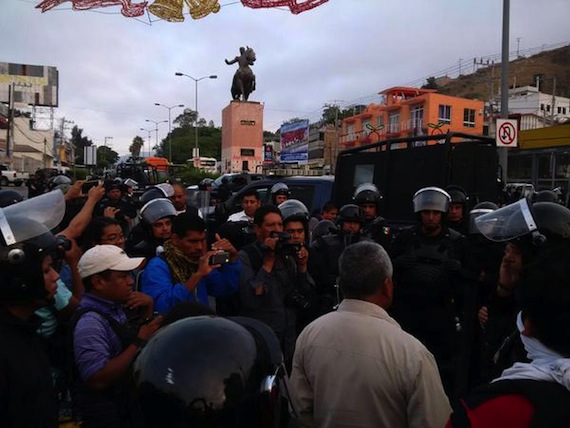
250, 202
356, 366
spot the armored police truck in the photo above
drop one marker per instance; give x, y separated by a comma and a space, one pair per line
400, 167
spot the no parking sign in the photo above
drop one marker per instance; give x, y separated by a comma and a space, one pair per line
507, 133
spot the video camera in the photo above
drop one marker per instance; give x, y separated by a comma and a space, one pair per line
284, 247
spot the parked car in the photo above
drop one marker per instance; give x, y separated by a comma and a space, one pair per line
12, 177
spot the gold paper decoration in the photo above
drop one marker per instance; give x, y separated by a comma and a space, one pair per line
169, 10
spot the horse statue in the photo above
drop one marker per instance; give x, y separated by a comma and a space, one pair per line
244, 79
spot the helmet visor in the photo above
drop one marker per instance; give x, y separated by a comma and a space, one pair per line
510, 222
44, 211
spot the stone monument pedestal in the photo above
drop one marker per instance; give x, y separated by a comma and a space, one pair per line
242, 136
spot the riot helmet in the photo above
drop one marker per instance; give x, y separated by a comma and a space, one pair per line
350, 212
367, 193
546, 196
9, 197
540, 221
225, 372
163, 190
457, 194
324, 227
478, 210
25, 241
279, 189
431, 199
293, 209
156, 209
59, 182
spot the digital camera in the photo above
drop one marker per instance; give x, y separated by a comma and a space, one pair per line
284, 247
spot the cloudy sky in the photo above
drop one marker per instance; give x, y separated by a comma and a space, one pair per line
113, 69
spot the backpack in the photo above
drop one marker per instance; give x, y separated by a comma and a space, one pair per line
550, 401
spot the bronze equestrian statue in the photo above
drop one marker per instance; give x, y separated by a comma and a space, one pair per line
244, 79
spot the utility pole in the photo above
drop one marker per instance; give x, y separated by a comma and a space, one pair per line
503, 151
553, 100
518, 46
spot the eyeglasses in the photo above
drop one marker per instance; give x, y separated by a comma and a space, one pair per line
116, 237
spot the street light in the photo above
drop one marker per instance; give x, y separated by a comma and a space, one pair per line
156, 122
196, 154
149, 132
169, 128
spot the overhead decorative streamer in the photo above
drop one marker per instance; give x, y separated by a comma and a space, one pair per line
296, 6
128, 9
173, 10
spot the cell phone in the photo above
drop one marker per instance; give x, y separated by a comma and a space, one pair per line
220, 258
88, 185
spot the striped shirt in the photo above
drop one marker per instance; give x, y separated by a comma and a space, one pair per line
94, 341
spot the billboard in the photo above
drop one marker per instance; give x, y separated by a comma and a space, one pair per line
31, 84
294, 142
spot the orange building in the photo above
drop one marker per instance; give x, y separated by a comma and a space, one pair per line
409, 112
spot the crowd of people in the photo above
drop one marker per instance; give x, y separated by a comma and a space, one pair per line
124, 313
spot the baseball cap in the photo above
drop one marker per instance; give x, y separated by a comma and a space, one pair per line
106, 257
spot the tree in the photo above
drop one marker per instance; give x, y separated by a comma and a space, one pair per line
79, 142
136, 146
431, 83
106, 157
186, 119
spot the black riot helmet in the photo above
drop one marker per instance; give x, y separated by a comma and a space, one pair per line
367, 193
542, 221
324, 227
293, 209
9, 197
457, 194
156, 209
163, 190
350, 212
224, 373
546, 196
25, 241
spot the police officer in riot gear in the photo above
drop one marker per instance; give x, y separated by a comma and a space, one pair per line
431, 286
457, 215
528, 230
27, 398
368, 197
156, 222
279, 193
224, 373
325, 252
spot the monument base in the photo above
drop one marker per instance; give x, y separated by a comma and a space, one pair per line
242, 136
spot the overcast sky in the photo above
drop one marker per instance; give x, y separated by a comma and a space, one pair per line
113, 69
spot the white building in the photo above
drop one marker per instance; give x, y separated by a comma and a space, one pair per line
537, 109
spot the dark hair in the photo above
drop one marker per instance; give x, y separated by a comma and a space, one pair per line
329, 206
106, 275
187, 222
545, 296
95, 228
250, 192
363, 267
262, 211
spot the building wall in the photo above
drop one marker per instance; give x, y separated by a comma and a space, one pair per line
242, 132
401, 101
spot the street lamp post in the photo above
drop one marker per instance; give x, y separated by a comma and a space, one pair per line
156, 122
169, 128
149, 132
196, 80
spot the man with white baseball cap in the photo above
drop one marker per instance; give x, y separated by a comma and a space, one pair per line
104, 343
